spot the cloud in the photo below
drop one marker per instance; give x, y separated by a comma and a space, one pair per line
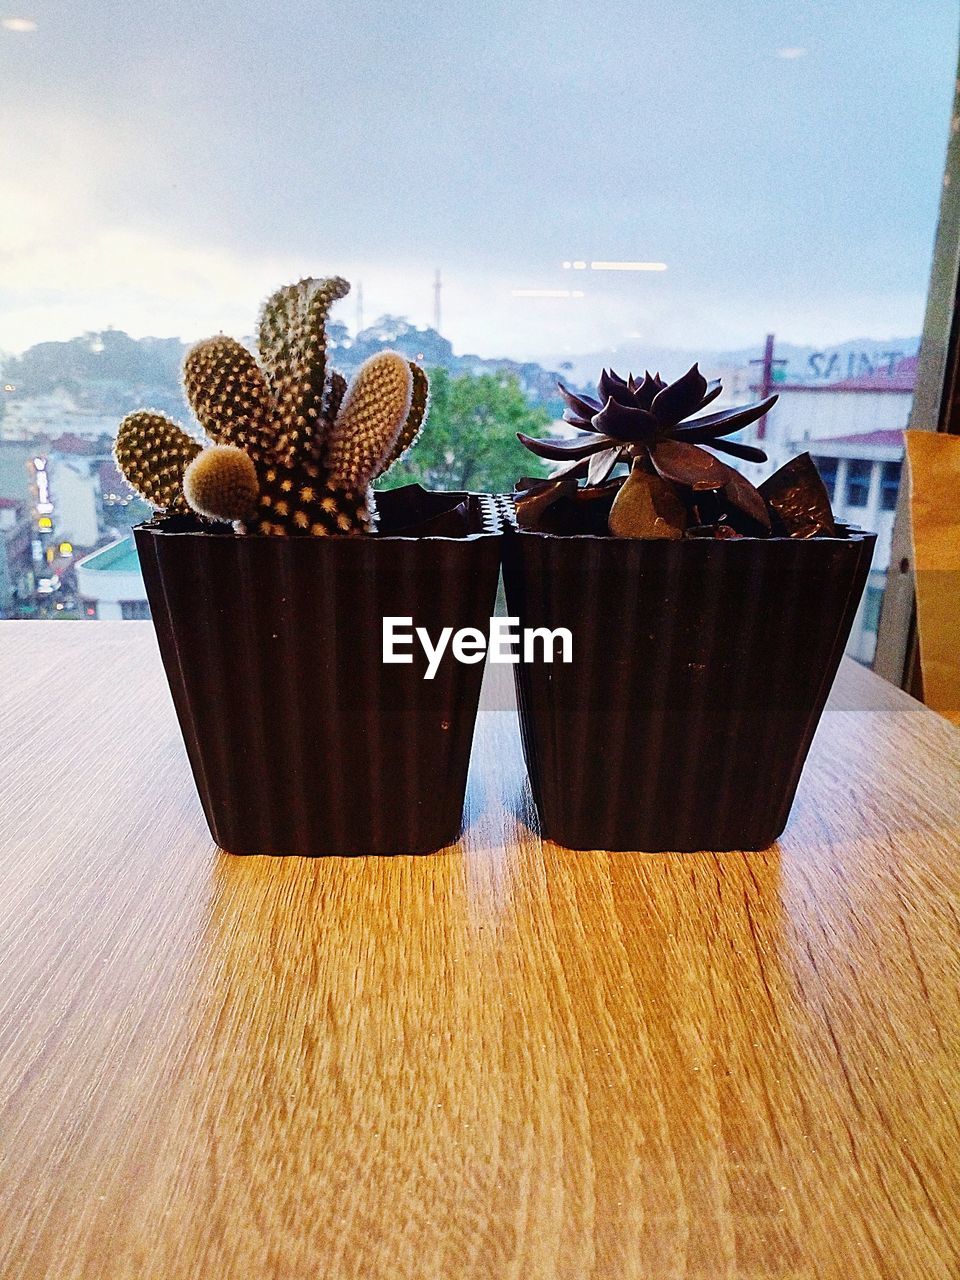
162, 177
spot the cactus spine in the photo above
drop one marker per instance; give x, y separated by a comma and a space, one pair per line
153, 453
419, 404
295, 449
229, 395
373, 412
221, 483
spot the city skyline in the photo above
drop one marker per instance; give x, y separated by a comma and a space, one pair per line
429, 346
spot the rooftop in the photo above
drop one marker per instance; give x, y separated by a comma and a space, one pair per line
70, 443
118, 557
887, 439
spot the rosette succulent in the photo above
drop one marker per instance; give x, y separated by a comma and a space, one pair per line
648, 424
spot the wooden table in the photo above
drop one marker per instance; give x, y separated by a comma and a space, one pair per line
506, 1059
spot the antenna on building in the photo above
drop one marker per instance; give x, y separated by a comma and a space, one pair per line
766, 380
360, 307
437, 286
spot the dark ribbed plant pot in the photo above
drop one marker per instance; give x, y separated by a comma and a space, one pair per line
700, 670
302, 741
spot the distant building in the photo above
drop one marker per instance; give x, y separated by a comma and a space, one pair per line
17, 470
110, 585
52, 415
808, 411
59, 478
16, 556
862, 475
71, 485
76, 467
853, 428
75, 494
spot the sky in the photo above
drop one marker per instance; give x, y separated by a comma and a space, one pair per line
163, 166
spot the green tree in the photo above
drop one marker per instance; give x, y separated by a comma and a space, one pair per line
470, 439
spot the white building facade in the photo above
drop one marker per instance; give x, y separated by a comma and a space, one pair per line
853, 429
110, 585
862, 475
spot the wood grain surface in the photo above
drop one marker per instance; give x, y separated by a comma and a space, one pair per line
503, 1060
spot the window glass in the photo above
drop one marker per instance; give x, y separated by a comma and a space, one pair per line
133, 609
828, 474
889, 485
514, 200
858, 482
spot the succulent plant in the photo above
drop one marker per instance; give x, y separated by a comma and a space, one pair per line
647, 424
294, 448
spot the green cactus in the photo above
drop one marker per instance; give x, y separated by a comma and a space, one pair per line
229, 395
295, 449
419, 406
153, 453
222, 483
292, 341
371, 417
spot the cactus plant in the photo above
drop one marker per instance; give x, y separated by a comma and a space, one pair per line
294, 449
153, 453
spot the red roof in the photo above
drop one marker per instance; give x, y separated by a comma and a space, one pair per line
891, 439
9, 504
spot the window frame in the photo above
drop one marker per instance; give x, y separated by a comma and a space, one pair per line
935, 407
